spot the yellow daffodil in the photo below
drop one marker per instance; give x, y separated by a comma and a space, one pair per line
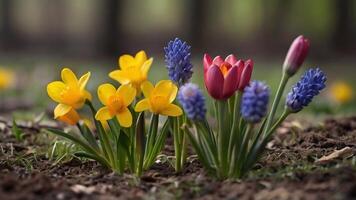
69, 93
341, 92
133, 70
71, 117
116, 102
159, 99
6, 78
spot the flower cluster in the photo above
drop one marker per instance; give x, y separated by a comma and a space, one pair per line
302, 93
255, 101
193, 101
228, 143
177, 57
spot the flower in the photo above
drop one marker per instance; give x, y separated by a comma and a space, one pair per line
296, 55
302, 93
245, 73
71, 117
116, 102
255, 101
341, 92
133, 70
177, 57
69, 93
158, 99
221, 77
6, 78
193, 101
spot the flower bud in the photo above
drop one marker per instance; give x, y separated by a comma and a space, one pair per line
296, 55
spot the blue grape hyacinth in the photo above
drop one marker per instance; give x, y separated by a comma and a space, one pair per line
177, 58
302, 93
255, 101
193, 101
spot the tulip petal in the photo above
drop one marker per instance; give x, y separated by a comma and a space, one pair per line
84, 80
146, 66
218, 60
173, 93
120, 76
125, 118
127, 94
68, 76
214, 82
140, 57
246, 74
126, 61
103, 114
105, 91
142, 105
61, 110
171, 110
147, 88
207, 61
55, 89
231, 81
231, 59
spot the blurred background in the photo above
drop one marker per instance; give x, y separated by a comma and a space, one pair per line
38, 37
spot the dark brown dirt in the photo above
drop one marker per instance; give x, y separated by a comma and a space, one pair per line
287, 171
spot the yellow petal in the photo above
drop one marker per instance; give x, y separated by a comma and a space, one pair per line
146, 66
140, 57
103, 114
173, 93
87, 95
163, 88
142, 105
84, 80
105, 91
55, 89
127, 94
125, 118
121, 76
71, 118
147, 88
61, 110
172, 110
126, 61
68, 76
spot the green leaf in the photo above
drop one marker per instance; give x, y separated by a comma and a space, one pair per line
83, 154
16, 131
140, 141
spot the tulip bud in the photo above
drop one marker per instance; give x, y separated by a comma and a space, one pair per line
296, 55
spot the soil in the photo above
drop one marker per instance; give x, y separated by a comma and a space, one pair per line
287, 171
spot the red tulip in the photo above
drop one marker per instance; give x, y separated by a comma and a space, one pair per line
296, 55
221, 76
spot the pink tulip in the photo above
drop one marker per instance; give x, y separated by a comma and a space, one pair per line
245, 73
222, 77
296, 55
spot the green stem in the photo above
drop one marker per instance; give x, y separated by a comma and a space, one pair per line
279, 121
276, 101
152, 132
177, 144
243, 150
235, 124
223, 136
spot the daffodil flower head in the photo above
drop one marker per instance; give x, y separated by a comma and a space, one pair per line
6, 78
133, 70
158, 99
69, 93
71, 117
115, 103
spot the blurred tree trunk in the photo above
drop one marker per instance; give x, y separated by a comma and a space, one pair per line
198, 16
343, 35
112, 34
6, 30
